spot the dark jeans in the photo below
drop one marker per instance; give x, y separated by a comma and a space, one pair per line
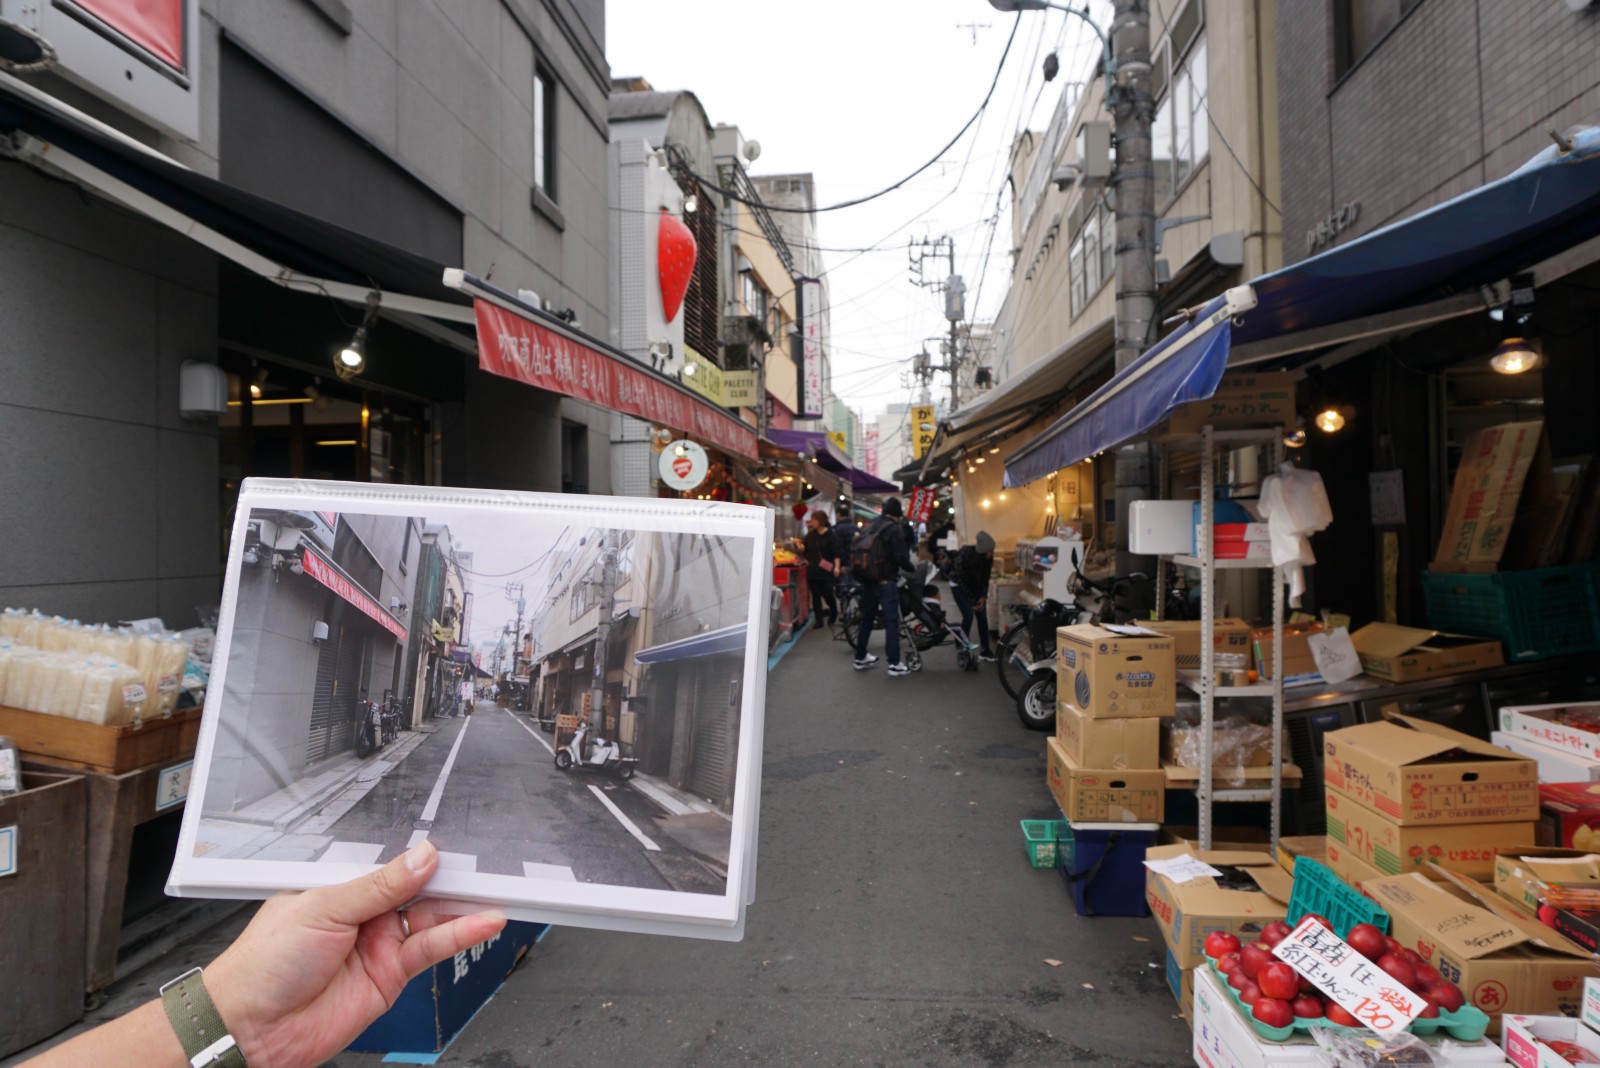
822, 595
964, 603
884, 596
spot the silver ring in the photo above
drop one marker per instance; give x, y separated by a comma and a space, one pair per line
405, 924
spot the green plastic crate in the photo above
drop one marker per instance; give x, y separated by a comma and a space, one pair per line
1317, 889
1537, 614
1045, 841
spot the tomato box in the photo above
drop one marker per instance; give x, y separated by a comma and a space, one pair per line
1544, 1041
1348, 866
1116, 674
1230, 636
1103, 795
1468, 848
1415, 772
1502, 958
1250, 893
1572, 729
1108, 743
1554, 764
1526, 876
1407, 654
1570, 814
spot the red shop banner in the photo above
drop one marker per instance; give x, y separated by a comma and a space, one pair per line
517, 348
328, 575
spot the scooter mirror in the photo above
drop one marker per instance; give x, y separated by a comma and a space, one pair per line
1074, 559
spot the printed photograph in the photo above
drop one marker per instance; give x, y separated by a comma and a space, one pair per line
544, 700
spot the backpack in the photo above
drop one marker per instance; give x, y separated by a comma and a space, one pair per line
869, 561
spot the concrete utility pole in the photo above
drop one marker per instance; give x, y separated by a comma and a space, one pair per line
602, 632
954, 288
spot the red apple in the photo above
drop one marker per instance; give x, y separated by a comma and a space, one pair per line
1446, 995
1366, 940
1238, 980
1308, 987
1336, 1014
1274, 1012
1279, 981
1393, 945
1398, 967
1275, 932
1430, 1008
1307, 1007
1412, 957
1253, 958
1220, 942
1319, 917
1250, 993
1427, 975
1228, 963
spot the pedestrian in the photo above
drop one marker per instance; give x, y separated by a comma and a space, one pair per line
823, 553
878, 557
969, 572
846, 530
307, 976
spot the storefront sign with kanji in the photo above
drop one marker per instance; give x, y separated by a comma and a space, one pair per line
921, 509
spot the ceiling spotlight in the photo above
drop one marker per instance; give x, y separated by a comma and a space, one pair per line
986, 502
1330, 420
352, 359
1514, 356
255, 390
994, 450
979, 460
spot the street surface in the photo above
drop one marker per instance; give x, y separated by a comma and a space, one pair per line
896, 920
485, 790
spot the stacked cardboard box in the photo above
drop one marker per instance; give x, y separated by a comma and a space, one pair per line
1104, 764
1563, 738
1407, 795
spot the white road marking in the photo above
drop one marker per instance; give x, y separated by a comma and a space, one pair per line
530, 730
548, 871
625, 821
671, 804
431, 809
458, 861
352, 853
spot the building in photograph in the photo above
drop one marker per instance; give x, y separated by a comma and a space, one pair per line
321, 624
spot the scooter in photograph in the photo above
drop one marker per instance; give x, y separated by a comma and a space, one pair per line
603, 755
371, 732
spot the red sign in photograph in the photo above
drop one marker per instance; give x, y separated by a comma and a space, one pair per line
154, 25
517, 348
325, 573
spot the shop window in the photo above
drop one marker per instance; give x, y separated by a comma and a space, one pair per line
754, 297
1359, 26
1079, 286
544, 133
1180, 132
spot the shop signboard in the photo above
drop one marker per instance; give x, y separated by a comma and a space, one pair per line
740, 389
514, 347
683, 465
921, 509
703, 376
810, 290
325, 573
923, 428
839, 439
870, 449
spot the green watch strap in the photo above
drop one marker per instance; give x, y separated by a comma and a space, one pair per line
199, 1026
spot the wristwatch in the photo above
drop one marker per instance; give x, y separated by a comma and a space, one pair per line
199, 1026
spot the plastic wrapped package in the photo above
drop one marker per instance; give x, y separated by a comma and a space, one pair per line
1236, 744
28, 630
200, 640
116, 644
11, 621
41, 682
19, 676
99, 687
55, 634
1352, 1049
67, 691
123, 711
172, 656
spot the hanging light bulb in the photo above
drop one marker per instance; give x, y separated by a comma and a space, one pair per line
981, 459
1296, 439
994, 450
1002, 495
986, 502
1514, 356
1329, 420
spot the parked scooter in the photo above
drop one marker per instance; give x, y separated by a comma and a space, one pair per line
603, 755
370, 733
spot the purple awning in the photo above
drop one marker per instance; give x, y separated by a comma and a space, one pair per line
865, 483
813, 445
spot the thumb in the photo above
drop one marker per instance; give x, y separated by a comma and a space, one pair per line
384, 890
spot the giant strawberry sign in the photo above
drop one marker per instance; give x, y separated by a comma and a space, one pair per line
675, 251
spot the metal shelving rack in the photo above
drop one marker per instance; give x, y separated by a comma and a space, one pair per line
1206, 685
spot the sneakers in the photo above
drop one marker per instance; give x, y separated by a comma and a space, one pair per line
864, 662
986, 656
897, 669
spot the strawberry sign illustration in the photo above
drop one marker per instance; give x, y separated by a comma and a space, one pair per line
675, 252
683, 465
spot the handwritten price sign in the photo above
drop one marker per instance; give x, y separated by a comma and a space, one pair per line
1363, 989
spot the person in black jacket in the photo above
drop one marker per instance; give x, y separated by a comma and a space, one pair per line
969, 573
881, 591
823, 554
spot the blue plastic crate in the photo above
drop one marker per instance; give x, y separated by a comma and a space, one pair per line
1536, 614
1317, 889
1105, 868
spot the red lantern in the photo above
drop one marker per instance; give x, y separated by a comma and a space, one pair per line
799, 510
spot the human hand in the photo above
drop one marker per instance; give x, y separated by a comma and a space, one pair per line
313, 969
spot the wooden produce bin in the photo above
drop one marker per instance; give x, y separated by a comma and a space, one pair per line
43, 882
91, 747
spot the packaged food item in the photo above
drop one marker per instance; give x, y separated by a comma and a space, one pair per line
1580, 717
99, 686
10, 767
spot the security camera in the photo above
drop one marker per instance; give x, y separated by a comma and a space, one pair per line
1065, 175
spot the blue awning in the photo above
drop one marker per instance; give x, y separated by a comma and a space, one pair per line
727, 640
1546, 206
1184, 366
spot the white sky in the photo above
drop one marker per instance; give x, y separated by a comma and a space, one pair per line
860, 93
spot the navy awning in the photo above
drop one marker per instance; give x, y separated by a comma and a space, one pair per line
1184, 366
1546, 206
865, 483
727, 640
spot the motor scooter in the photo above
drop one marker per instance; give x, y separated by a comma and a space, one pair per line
603, 755
370, 730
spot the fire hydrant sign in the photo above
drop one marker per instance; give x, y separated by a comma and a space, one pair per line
1363, 989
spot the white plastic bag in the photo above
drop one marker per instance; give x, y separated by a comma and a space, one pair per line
1295, 504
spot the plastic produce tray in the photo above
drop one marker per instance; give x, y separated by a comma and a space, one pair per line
1040, 838
1317, 889
1537, 614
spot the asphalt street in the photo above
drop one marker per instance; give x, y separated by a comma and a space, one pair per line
896, 922
485, 790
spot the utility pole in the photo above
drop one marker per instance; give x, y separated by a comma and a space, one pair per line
602, 632
954, 288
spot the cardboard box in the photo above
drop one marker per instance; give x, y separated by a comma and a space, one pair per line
1352, 869
1108, 743
1257, 777
1180, 981
1555, 727
1569, 815
1403, 769
1251, 893
1228, 839
1406, 654
1230, 636
1528, 1039
1107, 675
1242, 401
1103, 795
1297, 658
1467, 848
1485, 495
1503, 959
1554, 765
1525, 875
1293, 848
